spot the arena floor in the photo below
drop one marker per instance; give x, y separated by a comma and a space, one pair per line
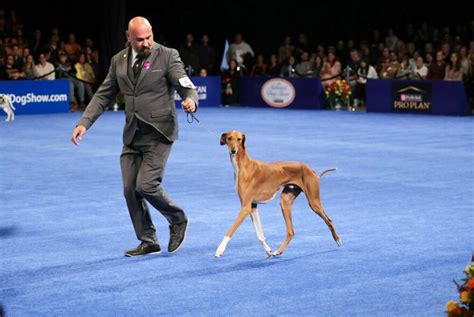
402, 201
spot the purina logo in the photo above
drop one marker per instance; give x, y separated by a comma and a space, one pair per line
411, 97
278, 93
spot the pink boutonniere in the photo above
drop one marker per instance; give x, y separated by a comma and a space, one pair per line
147, 65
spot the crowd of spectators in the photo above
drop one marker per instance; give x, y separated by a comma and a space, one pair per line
48, 56
415, 52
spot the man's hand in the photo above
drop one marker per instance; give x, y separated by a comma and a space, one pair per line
77, 134
188, 105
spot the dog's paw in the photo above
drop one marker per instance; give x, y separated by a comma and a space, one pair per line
338, 242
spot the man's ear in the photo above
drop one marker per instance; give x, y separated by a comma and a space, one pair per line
243, 140
223, 137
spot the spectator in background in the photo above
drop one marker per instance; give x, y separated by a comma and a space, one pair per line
76, 87
365, 71
390, 69
301, 46
72, 48
285, 50
437, 67
10, 71
85, 72
260, 68
420, 71
317, 66
288, 68
207, 55
189, 53
453, 69
28, 71
465, 62
391, 39
203, 72
44, 69
230, 84
303, 68
239, 50
405, 70
274, 67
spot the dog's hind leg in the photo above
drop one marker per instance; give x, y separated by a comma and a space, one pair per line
314, 200
287, 198
258, 229
244, 211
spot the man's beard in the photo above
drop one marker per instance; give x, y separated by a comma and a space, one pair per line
144, 51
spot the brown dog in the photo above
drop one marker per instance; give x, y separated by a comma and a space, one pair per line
259, 182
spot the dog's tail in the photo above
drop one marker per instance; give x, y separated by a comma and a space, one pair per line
327, 171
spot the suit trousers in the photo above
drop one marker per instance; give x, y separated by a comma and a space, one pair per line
143, 163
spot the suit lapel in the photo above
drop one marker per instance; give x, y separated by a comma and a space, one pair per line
150, 60
125, 67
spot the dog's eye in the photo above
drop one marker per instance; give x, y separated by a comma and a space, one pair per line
229, 138
239, 139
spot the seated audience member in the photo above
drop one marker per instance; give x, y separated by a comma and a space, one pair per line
85, 73
260, 68
420, 71
76, 87
274, 67
405, 71
230, 84
453, 69
203, 72
303, 68
390, 69
44, 69
364, 72
10, 71
28, 71
437, 67
317, 66
288, 68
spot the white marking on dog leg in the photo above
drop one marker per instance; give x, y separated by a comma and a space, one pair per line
258, 229
221, 248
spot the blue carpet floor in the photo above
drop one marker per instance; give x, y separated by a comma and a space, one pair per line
402, 201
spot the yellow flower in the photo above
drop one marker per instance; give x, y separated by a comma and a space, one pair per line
469, 269
465, 297
451, 305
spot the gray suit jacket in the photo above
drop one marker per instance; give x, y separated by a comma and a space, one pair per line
151, 98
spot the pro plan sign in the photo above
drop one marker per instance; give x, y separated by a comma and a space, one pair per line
278, 92
411, 97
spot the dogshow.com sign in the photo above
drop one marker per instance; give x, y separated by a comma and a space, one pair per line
278, 92
411, 97
37, 96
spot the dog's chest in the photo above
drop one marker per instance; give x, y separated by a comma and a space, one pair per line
233, 159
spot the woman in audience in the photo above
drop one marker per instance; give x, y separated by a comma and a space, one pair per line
453, 69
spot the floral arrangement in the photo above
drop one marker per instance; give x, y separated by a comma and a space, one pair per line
338, 92
466, 296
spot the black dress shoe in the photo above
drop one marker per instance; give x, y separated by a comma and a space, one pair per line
177, 235
144, 248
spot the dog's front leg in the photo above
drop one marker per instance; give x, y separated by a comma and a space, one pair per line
258, 229
244, 211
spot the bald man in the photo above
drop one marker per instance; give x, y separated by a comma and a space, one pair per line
147, 74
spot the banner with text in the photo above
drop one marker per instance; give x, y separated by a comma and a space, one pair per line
208, 89
37, 96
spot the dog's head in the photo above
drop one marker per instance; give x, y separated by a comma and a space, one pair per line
234, 140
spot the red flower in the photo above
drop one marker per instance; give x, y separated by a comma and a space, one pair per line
470, 284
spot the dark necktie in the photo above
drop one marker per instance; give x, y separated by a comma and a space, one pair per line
137, 66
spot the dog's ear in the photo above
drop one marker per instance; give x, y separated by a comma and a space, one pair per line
243, 140
223, 137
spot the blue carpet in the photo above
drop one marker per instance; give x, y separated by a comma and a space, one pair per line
402, 201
